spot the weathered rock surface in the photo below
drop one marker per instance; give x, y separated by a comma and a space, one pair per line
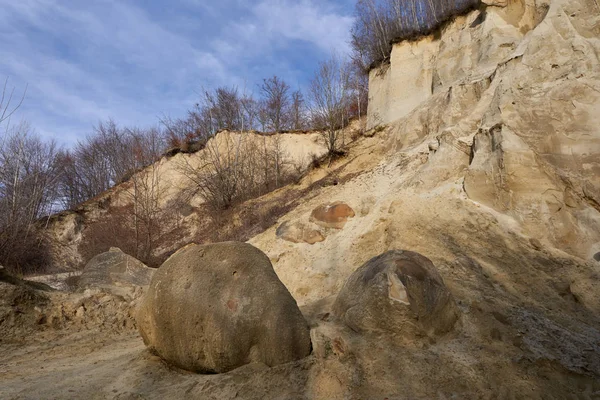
396, 291
115, 268
299, 232
517, 83
217, 307
471, 48
333, 215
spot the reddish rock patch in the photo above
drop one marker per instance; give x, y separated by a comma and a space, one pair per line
232, 305
334, 215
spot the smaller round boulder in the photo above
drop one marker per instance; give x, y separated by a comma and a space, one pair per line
299, 232
397, 291
216, 307
115, 268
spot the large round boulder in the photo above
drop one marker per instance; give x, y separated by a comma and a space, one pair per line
115, 268
213, 308
398, 291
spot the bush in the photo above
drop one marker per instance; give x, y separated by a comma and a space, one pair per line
115, 229
235, 167
25, 252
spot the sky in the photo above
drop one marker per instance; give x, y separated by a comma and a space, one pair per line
84, 61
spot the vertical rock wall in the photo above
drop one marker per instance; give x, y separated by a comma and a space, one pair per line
519, 83
469, 48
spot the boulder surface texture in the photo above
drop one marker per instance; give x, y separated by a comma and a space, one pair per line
398, 291
216, 307
115, 268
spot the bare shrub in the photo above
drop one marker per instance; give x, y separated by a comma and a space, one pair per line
234, 167
330, 95
117, 228
150, 216
145, 228
28, 176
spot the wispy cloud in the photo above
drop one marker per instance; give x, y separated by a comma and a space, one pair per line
134, 60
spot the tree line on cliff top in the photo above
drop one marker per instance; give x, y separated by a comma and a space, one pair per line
38, 177
380, 23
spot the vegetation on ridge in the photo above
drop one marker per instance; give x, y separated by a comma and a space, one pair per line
380, 23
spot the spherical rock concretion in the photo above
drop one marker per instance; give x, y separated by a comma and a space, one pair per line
213, 308
398, 291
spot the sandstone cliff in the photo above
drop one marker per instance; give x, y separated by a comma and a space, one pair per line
509, 94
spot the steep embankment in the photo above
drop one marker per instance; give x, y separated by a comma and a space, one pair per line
166, 189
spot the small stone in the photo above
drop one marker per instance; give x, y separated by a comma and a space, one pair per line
298, 232
536, 244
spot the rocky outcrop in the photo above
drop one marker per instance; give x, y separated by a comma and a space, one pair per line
396, 292
216, 307
517, 85
115, 268
333, 215
469, 49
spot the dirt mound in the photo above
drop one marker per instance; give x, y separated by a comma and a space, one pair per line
27, 313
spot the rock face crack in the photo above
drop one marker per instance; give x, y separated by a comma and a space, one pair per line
396, 290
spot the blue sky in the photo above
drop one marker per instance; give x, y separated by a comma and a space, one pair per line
133, 61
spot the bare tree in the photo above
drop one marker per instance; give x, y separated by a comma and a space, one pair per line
148, 215
329, 100
275, 93
297, 111
7, 107
29, 174
106, 157
359, 89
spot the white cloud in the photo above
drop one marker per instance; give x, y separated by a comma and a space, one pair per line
305, 20
87, 61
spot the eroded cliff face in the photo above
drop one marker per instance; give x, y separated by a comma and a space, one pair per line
468, 49
168, 187
515, 87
